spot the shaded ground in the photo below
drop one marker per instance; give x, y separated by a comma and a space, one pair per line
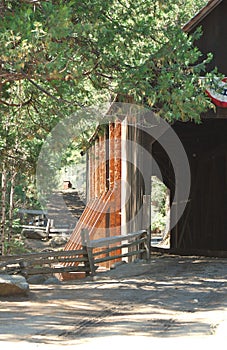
65, 207
171, 301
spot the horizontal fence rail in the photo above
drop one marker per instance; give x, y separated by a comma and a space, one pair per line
115, 239
86, 259
45, 263
136, 244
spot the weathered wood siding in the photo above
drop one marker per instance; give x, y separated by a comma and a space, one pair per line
203, 225
102, 215
214, 38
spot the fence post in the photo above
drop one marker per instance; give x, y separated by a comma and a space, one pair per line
147, 247
48, 227
145, 255
85, 239
147, 223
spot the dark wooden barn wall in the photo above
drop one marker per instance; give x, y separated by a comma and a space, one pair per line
203, 225
214, 37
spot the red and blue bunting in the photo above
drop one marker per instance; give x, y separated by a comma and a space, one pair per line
218, 93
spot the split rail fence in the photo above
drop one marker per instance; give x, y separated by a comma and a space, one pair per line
86, 259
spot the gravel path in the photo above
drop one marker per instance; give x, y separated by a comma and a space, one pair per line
172, 301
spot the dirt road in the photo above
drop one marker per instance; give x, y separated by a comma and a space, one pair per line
172, 301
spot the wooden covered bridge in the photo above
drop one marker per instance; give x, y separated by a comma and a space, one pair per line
203, 226
112, 210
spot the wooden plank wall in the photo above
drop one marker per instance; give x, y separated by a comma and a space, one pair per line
203, 225
102, 215
214, 38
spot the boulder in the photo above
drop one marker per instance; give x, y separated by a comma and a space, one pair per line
13, 285
139, 261
58, 242
52, 280
36, 279
43, 279
34, 234
117, 264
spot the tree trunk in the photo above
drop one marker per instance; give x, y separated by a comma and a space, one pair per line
11, 208
3, 210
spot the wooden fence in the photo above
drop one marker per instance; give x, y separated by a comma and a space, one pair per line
45, 263
85, 259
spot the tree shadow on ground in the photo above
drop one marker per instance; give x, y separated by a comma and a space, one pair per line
173, 298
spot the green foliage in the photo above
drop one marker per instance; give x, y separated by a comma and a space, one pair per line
159, 194
159, 205
57, 56
158, 223
78, 53
16, 246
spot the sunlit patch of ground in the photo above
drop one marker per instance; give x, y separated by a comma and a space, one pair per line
175, 301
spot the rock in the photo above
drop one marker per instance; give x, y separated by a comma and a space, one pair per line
42, 279
117, 264
36, 279
58, 241
34, 234
52, 280
46, 250
13, 285
139, 261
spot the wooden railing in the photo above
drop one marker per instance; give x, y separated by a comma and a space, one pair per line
135, 244
45, 263
86, 260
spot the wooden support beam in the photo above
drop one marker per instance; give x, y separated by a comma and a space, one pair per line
46, 270
147, 223
122, 246
124, 255
110, 240
32, 256
85, 239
